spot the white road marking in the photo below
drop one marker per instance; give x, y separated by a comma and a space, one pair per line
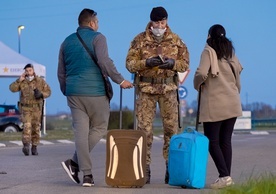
2, 145
259, 133
17, 142
43, 142
65, 141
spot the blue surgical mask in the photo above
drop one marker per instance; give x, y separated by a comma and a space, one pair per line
158, 31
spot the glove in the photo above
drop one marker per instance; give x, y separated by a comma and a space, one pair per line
37, 94
153, 62
168, 64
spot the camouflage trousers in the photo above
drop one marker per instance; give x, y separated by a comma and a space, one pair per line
31, 118
145, 113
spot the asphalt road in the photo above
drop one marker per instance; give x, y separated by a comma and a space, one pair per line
253, 155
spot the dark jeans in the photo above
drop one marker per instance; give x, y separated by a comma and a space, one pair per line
220, 147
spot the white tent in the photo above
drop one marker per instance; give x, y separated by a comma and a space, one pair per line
12, 65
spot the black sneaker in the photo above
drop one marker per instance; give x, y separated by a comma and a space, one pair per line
72, 169
88, 181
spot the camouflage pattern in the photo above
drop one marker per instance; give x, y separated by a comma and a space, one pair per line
145, 112
26, 89
31, 108
31, 118
145, 46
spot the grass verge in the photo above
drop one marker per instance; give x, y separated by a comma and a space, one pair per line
50, 135
264, 184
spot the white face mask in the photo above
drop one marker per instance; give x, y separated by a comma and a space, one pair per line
158, 31
30, 78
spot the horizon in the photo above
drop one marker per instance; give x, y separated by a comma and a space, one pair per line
47, 24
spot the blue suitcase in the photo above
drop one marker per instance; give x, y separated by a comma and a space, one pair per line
188, 158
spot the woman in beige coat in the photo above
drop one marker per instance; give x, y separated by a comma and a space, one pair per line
218, 75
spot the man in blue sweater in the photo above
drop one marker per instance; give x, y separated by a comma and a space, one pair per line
82, 83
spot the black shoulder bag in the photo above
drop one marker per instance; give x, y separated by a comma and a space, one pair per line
107, 84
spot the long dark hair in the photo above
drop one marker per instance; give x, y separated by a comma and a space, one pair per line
218, 41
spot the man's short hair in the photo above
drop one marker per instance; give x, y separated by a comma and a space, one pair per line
29, 65
85, 16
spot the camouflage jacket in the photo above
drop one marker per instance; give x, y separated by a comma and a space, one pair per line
27, 90
145, 46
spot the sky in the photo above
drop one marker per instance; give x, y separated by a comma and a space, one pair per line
249, 24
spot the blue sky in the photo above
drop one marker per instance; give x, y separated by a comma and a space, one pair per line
251, 25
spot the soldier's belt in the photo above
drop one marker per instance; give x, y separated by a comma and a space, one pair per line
160, 80
30, 105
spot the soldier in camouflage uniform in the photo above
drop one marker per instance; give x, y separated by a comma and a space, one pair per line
155, 56
33, 90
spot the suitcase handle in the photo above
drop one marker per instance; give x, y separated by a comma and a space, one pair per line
189, 130
121, 113
198, 107
121, 109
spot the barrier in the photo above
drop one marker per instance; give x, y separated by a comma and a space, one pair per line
244, 121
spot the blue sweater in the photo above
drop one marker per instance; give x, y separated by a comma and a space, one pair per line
83, 76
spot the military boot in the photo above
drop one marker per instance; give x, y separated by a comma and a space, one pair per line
26, 149
147, 174
167, 174
34, 150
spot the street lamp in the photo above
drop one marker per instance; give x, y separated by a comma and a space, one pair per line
19, 28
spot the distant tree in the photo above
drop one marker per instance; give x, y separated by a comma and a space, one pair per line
258, 109
114, 106
127, 119
262, 110
193, 106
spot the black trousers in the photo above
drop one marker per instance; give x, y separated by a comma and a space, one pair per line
220, 143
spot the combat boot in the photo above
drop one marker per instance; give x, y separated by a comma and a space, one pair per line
147, 174
26, 149
34, 150
167, 174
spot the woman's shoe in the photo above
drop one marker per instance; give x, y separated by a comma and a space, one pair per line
222, 182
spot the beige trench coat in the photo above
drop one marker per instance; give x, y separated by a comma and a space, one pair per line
220, 97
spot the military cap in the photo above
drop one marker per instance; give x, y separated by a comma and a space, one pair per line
29, 65
158, 14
